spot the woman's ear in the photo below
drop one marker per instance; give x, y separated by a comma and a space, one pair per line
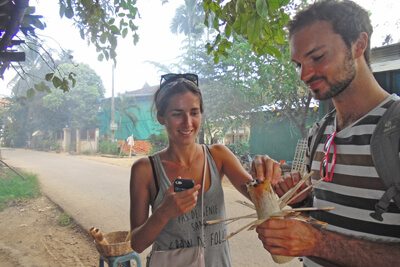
160, 119
360, 45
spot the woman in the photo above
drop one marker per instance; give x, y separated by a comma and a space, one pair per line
175, 221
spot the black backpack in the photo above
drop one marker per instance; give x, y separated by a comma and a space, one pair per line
385, 145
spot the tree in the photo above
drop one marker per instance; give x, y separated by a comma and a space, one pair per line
124, 106
189, 20
82, 102
40, 63
101, 21
260, 22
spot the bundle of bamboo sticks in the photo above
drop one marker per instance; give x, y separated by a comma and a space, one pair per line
268, 205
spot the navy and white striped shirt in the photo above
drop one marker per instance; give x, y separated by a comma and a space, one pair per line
355, 187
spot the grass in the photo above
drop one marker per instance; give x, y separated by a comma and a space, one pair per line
13, 187
65, 220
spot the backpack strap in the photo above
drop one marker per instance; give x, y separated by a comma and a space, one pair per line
385, 145
315, 135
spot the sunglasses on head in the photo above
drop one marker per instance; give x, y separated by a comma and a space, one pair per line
170, 77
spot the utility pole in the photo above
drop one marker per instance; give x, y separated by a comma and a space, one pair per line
112, 126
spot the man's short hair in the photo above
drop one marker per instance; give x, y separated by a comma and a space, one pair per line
347, 18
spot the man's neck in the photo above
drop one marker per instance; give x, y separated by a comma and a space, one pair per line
363, 95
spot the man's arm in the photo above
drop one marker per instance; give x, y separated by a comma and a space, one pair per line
294, 238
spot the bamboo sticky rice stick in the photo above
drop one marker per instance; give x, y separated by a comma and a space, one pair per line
128, 237
98, 236
267, 205
266, 202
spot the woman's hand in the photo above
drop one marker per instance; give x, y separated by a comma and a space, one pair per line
263, 167
179, 203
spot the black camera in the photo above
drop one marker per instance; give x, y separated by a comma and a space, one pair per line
182, 184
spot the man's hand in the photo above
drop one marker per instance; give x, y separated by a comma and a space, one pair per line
288, 237
263, 167
289, 180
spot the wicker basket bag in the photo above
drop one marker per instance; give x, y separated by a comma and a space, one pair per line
117, 244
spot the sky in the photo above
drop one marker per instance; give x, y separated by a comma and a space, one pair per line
157, 43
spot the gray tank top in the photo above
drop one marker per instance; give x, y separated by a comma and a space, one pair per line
185, 230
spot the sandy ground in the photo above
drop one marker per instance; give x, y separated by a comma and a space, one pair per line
31, 236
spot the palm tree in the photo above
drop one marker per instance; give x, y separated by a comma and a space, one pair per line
189, 20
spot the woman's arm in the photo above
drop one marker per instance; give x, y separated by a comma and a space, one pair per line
145, 229
229, 165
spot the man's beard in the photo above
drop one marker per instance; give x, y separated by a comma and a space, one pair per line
347, 76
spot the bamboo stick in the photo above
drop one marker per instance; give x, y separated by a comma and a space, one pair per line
283, 201
253, 215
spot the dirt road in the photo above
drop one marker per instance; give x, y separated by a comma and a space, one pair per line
95, 193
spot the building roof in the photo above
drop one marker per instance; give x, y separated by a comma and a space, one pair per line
145, 91
385, 58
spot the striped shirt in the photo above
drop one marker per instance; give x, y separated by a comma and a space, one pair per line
355, 187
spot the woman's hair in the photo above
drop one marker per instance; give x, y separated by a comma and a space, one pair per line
169, 89
347, 18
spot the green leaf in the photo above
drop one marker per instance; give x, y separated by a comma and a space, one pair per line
105, 52
123, 23
240, 7
112, 40
48, 90
30, 93
82, 33
49, 76
38, 87
124, 32
113, 54
62, 9
87, 3
272, 50
114, 29
228, 30
103, 37
274, 4
57, 82
71, 77
279, 37
254, 26
262, 8
135, 39
69, 12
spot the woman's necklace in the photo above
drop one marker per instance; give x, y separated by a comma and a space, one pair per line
187, 169
184, 168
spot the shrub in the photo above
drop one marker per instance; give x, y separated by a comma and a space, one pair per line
108, 147
242, 152
55, 145
158, 142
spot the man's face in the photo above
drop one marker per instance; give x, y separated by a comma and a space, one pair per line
325, 64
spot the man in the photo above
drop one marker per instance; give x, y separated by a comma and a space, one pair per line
130, 142
330, 44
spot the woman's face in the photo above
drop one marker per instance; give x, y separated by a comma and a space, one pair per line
182, 118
